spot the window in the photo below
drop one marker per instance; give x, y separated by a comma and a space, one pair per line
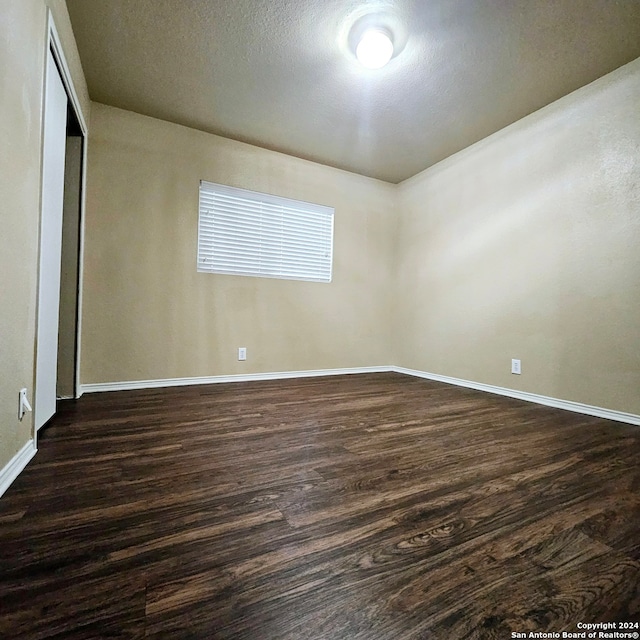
255, 234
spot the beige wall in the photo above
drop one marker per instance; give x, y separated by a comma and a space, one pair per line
23, 42
524, 245
147, 313
527, 245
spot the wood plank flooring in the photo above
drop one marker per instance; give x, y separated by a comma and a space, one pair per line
369, 507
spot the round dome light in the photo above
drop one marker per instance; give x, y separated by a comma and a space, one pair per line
374, 49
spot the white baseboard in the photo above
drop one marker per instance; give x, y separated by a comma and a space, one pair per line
568, 405
577, 407
16, 465
250, 377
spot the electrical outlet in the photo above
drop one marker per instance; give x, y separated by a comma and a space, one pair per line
242, 353
515, 366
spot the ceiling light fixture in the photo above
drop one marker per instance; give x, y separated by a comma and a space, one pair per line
375, 48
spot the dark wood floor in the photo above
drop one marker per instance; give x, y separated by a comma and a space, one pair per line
371, 507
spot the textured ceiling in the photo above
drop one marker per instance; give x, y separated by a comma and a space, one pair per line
281, 73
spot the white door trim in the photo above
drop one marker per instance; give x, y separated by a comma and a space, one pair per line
54, 44
49, 269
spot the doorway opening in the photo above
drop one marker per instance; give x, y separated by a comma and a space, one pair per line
67, 383
61, 235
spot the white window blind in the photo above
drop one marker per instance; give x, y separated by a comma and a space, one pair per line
247, 233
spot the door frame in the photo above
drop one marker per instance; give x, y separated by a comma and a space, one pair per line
54, 44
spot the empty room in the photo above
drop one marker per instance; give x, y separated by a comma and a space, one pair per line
320, 320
